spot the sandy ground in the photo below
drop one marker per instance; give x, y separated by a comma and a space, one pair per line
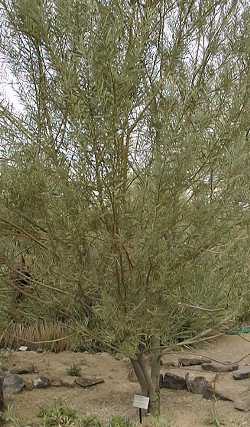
115, 395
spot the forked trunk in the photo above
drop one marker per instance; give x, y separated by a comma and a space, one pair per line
148, 375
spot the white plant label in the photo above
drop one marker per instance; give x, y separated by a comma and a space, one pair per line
140, 402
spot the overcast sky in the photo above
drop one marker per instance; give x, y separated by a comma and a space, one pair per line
7, 84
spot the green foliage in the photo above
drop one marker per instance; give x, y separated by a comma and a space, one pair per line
125, 179
3, 360
215, 419
62, 415
74, 370
58, 415
90, 422
9, 418
160, 422
120, 422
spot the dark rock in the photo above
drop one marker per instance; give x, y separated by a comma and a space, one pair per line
161, 382
242, 373
192, 361
12, 383
173, 381
55, 382
199, 384
41, 382
88, 382
217, 367
22, 370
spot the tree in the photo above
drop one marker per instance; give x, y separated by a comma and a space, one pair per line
130, 161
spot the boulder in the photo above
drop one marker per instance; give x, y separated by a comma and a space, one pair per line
68, 382
192, 361
217, 367
88, 381
174, 381
215, 392
55, 382
242, 373
13, 383
243, 402
41, 382
63, 382
22, 370
200, 384
28, 384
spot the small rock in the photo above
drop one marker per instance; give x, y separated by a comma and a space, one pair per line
41, 382
39, 350
23, 348
191, 361
62, 382
68, 382
217, 367
213, 392
22, 370
12, 383
88, 382
242, 373
199, 384
28, 385
55, 382
173, 381
243, 404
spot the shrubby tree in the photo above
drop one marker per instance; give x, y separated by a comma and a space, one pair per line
125, 176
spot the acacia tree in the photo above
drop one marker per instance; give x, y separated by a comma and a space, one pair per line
130, 160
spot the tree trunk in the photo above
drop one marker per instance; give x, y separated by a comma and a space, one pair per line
148, 375
1, 395
155, 376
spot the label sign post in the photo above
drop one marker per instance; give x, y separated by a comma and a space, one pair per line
140, 402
